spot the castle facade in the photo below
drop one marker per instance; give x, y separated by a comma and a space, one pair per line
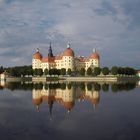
66, 59
66, 96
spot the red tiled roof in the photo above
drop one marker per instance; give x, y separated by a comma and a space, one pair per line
58, 57
68, 52
37, 55
95, 55
48, 59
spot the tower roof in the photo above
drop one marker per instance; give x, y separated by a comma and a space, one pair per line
68, 51
95, 101
45, 59
48, 59
37, 55
94, 55
50, 54
68, 105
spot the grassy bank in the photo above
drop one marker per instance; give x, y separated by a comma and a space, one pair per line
79, 78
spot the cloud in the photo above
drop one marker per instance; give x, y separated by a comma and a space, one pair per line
106, 8
131, 10
111, 26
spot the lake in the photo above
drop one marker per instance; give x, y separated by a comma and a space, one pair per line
93, 111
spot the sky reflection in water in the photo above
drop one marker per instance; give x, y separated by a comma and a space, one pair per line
70, 111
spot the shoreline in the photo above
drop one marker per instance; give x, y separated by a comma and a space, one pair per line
75, 79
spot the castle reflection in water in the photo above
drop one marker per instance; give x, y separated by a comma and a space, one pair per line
65, 94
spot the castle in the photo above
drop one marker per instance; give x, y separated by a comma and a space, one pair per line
66, 59
65, 97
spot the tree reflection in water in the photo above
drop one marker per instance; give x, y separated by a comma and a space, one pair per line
66, 93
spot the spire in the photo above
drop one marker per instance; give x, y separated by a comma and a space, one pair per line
50, 109
37, 50
94, 50
37, 108
68, 111
94, 106
68, 45
50, 44
50, 54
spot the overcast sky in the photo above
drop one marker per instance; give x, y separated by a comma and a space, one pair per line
111, 26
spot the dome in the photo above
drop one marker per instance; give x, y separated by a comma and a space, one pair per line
94, 55
95, 101
37, 101
68, 105
37, 55
68, 52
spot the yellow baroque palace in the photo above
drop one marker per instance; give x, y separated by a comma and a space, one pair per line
65, 97
66, 59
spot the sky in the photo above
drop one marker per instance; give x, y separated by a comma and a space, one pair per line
110, 26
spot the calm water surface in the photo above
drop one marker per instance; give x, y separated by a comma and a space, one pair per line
69, 111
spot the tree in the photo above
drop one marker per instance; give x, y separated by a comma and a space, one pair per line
28, 72
20, 70
69, 71
114, 88
89, 71
46, 71
97, 71
31, 72
89, 86
54, 71
35, 72
105, 71
97, 87
129, 71
126, 71
82, 71
50, 71
63, 86
12, 72
105, 87
114, 70
120, 70
23, 72
58, 72
69, 85
82, 86
63, 71
40, 72
38, 86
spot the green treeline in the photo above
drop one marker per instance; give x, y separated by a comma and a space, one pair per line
91, 86
21, 71
89, 72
